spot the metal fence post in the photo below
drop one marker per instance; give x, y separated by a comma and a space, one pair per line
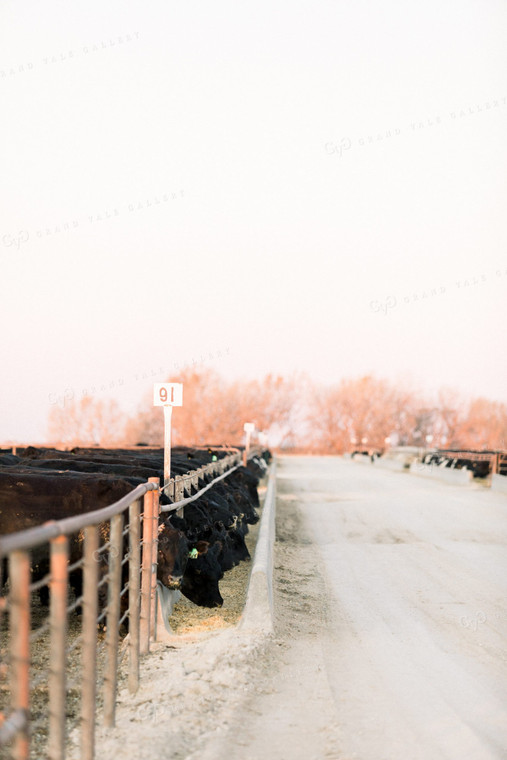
89, 650
134, 594
154, 551
179, 488
113, 616
146, 573
19, 574
58, 626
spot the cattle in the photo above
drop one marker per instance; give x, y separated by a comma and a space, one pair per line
218, 520
457, 461
211, 519
172, 556
245, 480
257, 466
84, 465
202, 575
41, 484
116, 461
30, 498
8, 460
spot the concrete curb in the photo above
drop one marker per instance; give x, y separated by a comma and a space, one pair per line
461, 477
499, 483
258, 612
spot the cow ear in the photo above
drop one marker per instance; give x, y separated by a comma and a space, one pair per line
202, 547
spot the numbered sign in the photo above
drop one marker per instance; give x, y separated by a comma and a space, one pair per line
249, 427
168, 394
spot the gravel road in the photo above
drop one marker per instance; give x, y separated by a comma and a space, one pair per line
390, 633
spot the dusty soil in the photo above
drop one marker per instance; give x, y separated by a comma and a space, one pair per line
204, 693
288, 710
389, 635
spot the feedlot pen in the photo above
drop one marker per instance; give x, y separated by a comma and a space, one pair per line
186, 619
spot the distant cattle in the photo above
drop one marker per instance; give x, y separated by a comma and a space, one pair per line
480, 468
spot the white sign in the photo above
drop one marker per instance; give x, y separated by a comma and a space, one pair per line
249, 427
168, 394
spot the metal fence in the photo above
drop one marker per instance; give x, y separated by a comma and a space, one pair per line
117, 548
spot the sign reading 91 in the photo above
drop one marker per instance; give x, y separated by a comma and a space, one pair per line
168, 394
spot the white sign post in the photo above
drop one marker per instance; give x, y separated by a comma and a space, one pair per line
167, 395
248, 427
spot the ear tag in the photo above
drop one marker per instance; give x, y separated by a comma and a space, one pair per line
193, 554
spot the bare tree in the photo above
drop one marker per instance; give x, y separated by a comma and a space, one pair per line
214, 411
86, 422
354, 413
484, 426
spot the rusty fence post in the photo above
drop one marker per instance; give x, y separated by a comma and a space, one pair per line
146, 573
58, 587
134, 593
113, 617
154, 552
19, 575
179, 489
89, 649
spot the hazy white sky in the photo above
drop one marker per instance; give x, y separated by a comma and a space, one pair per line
216, 181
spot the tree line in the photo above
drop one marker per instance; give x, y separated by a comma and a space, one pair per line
298, 414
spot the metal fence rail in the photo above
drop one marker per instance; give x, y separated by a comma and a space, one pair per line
111, 538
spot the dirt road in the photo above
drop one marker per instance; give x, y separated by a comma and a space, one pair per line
390, 634
391, 622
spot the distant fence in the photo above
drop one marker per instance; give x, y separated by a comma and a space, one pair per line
497, 459
411, 459
111, 548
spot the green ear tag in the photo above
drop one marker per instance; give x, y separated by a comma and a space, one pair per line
214, 458
193, 554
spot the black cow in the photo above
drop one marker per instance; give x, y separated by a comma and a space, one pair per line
172, 557
30, 498
202, 574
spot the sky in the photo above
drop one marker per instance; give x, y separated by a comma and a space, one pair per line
253, 187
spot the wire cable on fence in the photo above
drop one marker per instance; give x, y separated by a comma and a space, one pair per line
179, 504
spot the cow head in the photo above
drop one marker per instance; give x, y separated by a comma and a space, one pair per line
200, 581
172, 555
